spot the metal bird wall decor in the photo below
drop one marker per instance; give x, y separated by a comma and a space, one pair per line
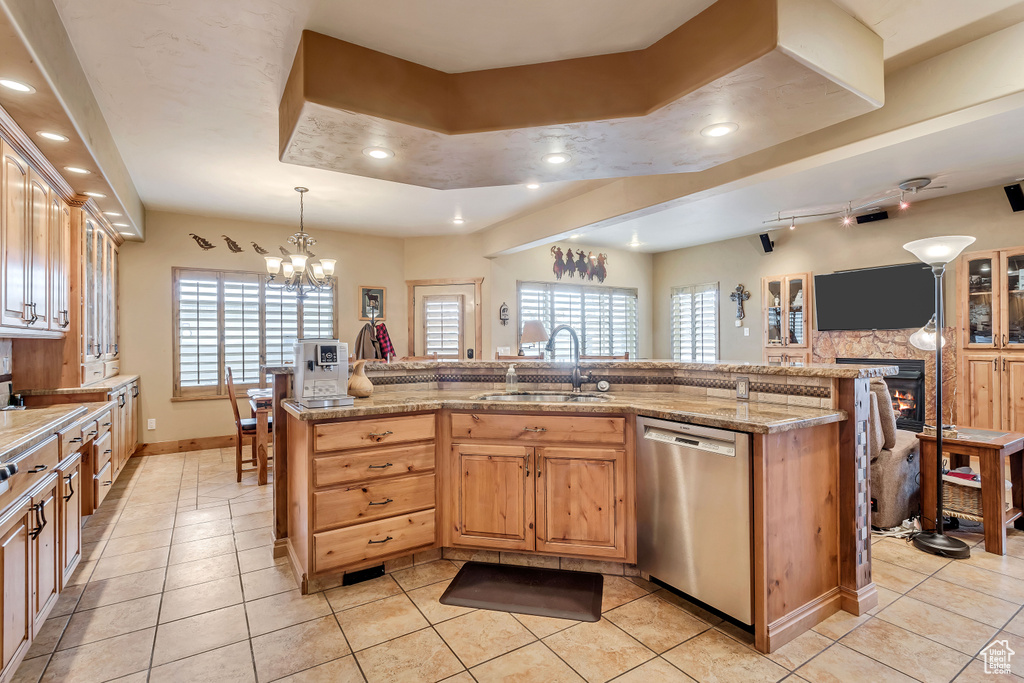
203, 243
258, 249
232, 245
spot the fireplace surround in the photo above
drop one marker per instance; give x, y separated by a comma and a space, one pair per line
906, 388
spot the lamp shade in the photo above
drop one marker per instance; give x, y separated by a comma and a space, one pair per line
273, 264
533, 332
924, 338
938, 251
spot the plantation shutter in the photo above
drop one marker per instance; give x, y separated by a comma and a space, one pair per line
695, 323
442, 322
604, 317
242, 327
198, 334
281, 326
318, 315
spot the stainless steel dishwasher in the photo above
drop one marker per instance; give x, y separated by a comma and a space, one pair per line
694, 512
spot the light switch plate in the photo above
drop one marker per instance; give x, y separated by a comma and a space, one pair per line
743, 388
746, 331
151, 423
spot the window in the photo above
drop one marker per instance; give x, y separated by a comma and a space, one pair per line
604, 317
227, 318
695, 323
442, 325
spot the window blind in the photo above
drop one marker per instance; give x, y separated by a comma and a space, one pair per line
198, 329
241, 301
695, 323
442, 325
604, 317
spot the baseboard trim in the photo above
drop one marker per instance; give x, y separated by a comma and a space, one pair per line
182, 445
860, 601
799, 620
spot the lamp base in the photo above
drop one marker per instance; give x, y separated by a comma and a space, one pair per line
942, 545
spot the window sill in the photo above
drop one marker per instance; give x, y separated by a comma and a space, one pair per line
188, 399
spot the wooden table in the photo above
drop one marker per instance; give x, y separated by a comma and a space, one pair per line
992, 448
262, 405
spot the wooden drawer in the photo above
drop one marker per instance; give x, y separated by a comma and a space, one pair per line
70, 440
369, 501
102, 449
101, 484
368, 465
92, 372
103, 423
33, 467
354, 545
336, 436
538, 428
112, 368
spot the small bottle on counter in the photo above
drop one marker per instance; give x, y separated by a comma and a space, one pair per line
511, 380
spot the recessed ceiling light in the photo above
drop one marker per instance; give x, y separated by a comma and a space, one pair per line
96, 195
56, 137
717, 130
636, 242
533, 186
17, 86
574, 237
378, 152
78, 170
458, 221
556, 158
112, 214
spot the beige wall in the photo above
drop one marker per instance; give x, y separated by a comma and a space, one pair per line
825, 247
146, 304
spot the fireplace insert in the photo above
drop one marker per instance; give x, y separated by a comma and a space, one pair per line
906, 389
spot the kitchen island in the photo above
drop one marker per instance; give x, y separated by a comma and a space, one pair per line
432, 461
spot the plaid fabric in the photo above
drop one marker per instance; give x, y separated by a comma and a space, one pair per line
387, 349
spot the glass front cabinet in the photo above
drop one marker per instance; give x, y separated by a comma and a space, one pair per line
99, 304
787, 309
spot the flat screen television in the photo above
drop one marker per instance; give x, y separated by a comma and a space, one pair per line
887, 298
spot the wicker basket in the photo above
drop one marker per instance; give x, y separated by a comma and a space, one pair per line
962, 498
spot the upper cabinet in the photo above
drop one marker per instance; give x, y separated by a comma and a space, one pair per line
99, 308
787, 311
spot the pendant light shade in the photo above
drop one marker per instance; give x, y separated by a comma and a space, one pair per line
938, 251
924, 338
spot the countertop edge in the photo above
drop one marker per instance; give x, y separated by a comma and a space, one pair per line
15, 448
103, 385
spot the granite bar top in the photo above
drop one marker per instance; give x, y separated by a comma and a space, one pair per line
20, 430
784, 369
109, 384
725, 413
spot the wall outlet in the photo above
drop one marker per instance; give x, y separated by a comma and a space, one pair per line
743, 388
746, 331
151, 423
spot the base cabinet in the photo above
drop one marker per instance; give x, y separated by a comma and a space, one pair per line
993, 395
70, 518
495, 496
46, 563
15, 551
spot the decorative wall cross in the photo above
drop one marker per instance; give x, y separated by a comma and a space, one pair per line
739, 296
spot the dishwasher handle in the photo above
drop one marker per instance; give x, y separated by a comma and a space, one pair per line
683, 440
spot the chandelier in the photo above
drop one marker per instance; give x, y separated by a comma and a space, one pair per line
299, 273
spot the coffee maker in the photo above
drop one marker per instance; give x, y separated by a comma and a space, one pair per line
321, 373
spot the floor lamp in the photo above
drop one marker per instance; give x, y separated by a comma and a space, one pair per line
937, 252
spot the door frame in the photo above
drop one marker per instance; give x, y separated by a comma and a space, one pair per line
477, 283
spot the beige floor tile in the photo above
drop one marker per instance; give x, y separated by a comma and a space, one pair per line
102, 661
92, 551
344, 670
991, 583
655, 671
618, 591
112, 620
202, 597
656, 623
894, 577
293, 649
194, 635
1016, 625
200, 571
901, 553
251, 507
253, 538
427, 600
839, 624
419, 656
482, 635
121, 565
197, 532
975, 673
130, 526
231, 664
598, 651
49, 635
798, 651
534, 663
542, 627
199, 550
886, 597
346, 597
255, 521
714, 657
31, 670
645, 584
121, 589
201, 516
284, 609
137, 543
1016, 643
689, 607
374, 623
840, 664
908, 652
264, 582
425, 574
952, 630
258, 558
463, 677
67, 601
1003, 564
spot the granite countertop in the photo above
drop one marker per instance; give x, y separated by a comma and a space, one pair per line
23, 429
110, 384
744, 416
811, 370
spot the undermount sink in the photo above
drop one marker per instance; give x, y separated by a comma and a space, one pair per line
545, 398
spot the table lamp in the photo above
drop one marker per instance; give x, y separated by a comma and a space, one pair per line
937, 252
533, 333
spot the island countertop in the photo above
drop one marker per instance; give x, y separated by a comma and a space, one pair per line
754, 417
22, 429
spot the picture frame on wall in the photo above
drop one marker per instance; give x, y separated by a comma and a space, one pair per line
372, 297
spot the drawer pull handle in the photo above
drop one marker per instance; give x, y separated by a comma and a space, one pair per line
77, 439
381, 435
384, 541
37, 468
381, 467
385, 502
535, 429
106, 424
71, 488
109, 450
107, 483
94, 432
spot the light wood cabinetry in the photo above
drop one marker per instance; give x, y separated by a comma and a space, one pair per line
787, 305
70, 516
990, 332
46, 561
493, 496
15, 565
16, 239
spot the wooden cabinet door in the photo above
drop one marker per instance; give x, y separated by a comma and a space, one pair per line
60, 264
16, 239
773, 291
1012, 392
70, 518
117, 431
91, 276
113, 325
798, 309
1011, 300
15, 550
979, 283
494, 505
581, 501
46, 564
39, 251
981, 374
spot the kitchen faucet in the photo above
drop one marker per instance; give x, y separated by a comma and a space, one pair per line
577, 377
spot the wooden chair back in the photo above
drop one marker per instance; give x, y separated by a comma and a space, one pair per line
234, 399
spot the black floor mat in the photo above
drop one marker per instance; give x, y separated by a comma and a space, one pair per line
527, 590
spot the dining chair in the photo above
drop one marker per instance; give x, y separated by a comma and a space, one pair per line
245, 428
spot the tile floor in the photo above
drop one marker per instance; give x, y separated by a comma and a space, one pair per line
178, 583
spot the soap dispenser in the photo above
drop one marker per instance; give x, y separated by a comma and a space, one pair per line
511, 380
